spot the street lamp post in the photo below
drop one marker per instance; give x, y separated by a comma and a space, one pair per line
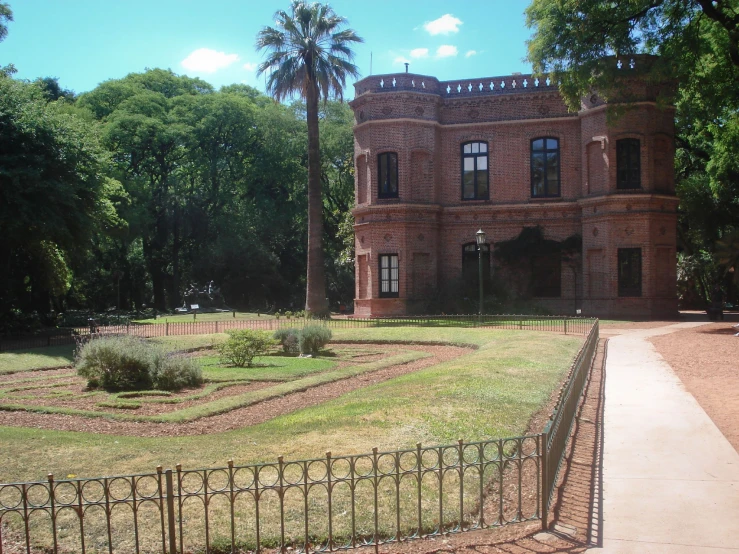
480, 235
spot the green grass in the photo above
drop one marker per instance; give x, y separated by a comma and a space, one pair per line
316, 374
490, 392
266, 368
36, 358
220, 316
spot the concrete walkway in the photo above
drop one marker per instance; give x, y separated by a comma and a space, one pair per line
670, 478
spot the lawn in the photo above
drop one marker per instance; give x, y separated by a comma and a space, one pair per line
218, 316
491, 392
36, 358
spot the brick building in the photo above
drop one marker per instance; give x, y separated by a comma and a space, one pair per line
436, 161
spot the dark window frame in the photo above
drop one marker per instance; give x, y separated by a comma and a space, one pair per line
629, 276
628, 164
552, 287
389, 293
385, 157
545, 151
470, 253
475, 156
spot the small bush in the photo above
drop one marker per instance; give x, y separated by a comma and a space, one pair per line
115, 363
173, 371
132, 364
243, 345
313, 338
289, 339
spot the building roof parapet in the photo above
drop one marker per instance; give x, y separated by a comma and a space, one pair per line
398, 82
485, 86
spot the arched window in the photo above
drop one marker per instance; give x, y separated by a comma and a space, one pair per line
475, 171
471, 269
544, 167
387, 172
628, 164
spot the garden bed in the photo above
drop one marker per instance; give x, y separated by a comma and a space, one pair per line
62, 394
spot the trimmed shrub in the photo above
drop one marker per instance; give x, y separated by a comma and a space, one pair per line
313, 338
243, 345
126, 363
289, 339
115, 363
174, 371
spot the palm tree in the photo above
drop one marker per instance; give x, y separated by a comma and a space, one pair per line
309, 56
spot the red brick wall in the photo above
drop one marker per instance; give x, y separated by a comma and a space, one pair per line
428, 224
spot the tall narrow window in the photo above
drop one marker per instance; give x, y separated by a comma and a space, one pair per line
546, 275
544, 167
475, 171
387, 170
389, 276
471, 268
629, 271
628, 164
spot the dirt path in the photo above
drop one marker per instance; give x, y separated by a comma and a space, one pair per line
242, 417
706, 359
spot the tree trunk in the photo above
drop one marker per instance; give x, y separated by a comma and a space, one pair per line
316, 304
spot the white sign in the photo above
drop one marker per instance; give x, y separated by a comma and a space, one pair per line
194, 306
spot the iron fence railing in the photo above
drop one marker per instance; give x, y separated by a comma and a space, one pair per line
321, 505
557, 429
57, 337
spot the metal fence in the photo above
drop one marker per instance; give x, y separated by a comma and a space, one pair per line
57, 337
321, 505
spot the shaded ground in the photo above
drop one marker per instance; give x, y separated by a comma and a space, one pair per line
706, 359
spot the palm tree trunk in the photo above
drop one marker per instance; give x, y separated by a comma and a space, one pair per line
316, 304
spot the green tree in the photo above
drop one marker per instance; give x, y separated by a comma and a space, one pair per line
697, 44
6, 15
55, 195
309, 56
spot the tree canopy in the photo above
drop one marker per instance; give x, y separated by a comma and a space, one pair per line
697, 44
55, 194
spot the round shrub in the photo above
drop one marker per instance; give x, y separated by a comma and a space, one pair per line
115, 363
243, 345
289, 339
313, 338
124, 363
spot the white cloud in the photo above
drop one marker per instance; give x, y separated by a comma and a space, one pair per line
420, 53
470, 53
401, 59
445, 25
205, 60
446, 51
249, 66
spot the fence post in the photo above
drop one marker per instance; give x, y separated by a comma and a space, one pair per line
216, 326
565, 325
166, 328
170, 512
544, 438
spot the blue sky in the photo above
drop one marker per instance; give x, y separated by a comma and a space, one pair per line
85, 42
